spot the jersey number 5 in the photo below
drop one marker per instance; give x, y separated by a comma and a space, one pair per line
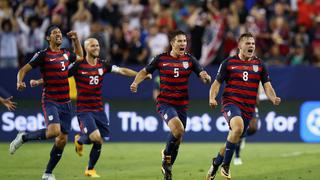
245, 75
176, 72
94, 80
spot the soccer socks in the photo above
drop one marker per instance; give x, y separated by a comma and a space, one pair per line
36, 135
218, 160
55, 156
174, 154
230, 147
94, 155
84, 139
171, 143
237, 149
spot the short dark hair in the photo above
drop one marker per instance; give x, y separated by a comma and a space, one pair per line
245, 35
50, 28
173, 34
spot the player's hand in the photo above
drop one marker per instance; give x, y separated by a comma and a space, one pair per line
72, 35
21, 86
134, 87
9, 104
276, 101
149, 77
205, 77
213, 102
34, 83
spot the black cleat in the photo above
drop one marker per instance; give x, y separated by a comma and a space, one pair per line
212, 171
166, 166
225, 171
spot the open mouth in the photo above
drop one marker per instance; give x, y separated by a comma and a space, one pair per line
250, 50
181, 49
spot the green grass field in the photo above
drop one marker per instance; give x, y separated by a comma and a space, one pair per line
141, 161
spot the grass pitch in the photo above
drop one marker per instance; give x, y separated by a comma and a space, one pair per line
141, 161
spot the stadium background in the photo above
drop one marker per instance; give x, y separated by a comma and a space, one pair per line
132, 32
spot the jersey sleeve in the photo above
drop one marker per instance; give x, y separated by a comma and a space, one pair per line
222, 72
72, 69
196, 67
72, 56
37, 59
264, 74
150, 68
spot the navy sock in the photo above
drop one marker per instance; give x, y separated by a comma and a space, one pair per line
94, 155
170, 144
237, 149
218, 160
174, 154
55, 156
84, 139
230, 147
36, 135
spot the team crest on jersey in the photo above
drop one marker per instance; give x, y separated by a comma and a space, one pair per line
100, 71
185, 65
255, 68
65, 56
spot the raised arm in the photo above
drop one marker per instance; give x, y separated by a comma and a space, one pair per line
214, 90
142, 74
76, 43
271, 94
20, 76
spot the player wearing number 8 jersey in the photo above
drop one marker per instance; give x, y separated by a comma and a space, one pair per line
242, 74
174, 71
56, 105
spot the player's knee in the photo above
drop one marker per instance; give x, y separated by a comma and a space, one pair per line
61, 141
96, 138
53, 133
178, 132
237, 131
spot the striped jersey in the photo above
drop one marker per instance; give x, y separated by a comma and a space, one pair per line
54, 72
242, 82
89, 80
174, 75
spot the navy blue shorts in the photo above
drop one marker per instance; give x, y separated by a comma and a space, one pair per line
91, 121
58, 113
168, 112
231, 110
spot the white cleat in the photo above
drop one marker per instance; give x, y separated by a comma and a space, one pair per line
47, 176
16, 143
237, 161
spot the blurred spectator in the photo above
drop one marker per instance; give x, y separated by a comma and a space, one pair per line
298, 56
8, 45
138, 52
81, 21
118, 46
5, 10
157, 41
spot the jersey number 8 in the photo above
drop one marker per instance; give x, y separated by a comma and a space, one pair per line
245, 75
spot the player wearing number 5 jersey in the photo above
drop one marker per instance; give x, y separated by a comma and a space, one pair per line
56, 105
242, 74
174, 71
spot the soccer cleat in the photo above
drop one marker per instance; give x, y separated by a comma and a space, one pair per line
237, 161
78, 147
91, 173
243, 143
47, 176
212, 170
166, 167
16, 143
225, 171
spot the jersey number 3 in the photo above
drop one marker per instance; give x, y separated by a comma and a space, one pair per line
245, 75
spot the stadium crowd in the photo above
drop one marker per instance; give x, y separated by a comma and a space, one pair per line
133, 31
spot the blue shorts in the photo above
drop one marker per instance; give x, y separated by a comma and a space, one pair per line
168, 112
58, 113
91, 121
231, 110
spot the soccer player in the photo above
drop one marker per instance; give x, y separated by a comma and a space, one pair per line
174, 68
56, 105
11, 106
242, 74
93, 121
